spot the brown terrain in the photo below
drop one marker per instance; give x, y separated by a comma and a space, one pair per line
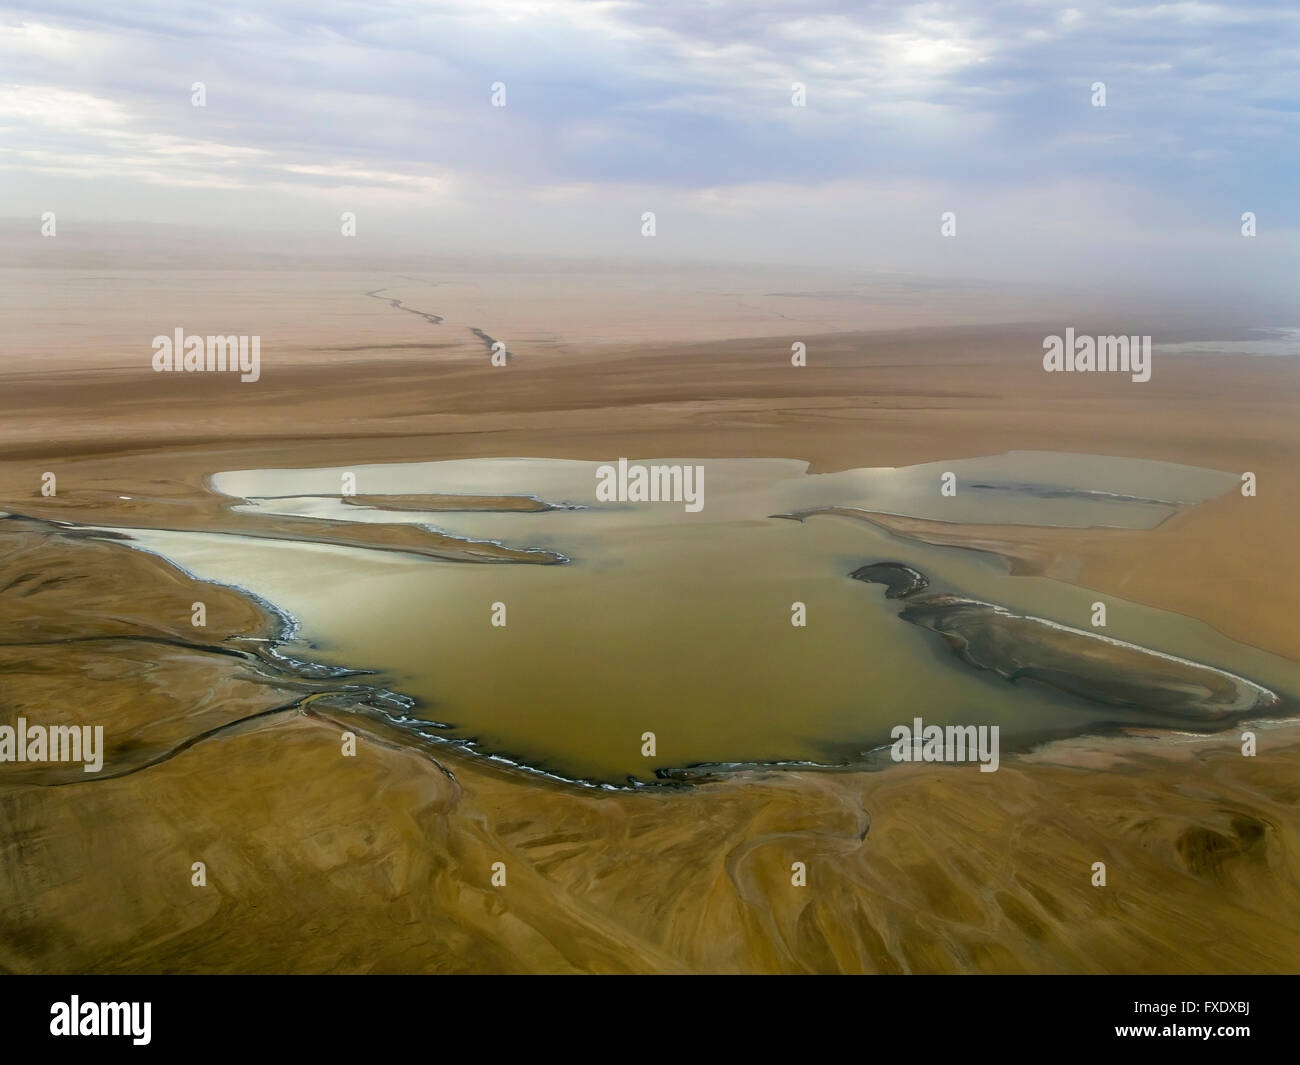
383, 862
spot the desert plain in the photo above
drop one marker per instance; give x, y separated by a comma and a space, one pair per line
383, 862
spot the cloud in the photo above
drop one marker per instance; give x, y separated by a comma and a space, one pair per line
386, 105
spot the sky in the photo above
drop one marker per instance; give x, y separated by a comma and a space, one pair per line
613, 109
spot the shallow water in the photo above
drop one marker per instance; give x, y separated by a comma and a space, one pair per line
679, 623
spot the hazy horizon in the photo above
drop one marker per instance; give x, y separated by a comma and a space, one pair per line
611, 110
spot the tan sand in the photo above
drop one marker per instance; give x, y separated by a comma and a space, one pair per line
864, 400
383, 862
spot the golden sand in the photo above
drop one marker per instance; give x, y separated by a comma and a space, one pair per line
383, 862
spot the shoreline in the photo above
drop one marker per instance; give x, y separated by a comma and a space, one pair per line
282, 627
867, 401
959, 871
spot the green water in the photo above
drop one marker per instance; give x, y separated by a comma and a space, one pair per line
679, 623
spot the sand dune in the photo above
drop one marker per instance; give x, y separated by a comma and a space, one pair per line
383, 862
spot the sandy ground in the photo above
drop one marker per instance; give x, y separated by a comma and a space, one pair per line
863, 400
383, 861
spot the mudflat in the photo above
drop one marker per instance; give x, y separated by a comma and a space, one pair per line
229, 755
